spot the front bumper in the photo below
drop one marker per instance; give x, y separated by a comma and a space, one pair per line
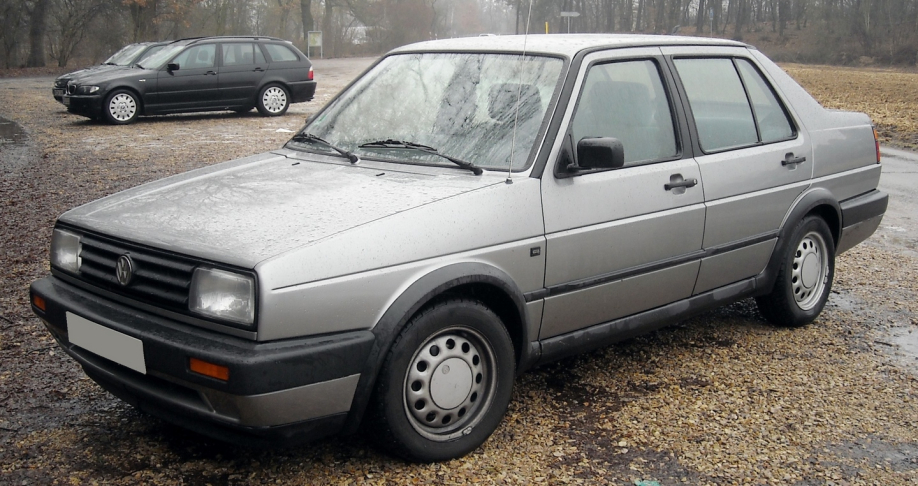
292, 390
85, 105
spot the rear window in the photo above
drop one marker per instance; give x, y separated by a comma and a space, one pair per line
281, 53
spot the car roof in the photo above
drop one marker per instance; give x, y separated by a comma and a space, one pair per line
561, 44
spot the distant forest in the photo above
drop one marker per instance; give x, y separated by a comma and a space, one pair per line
36, 33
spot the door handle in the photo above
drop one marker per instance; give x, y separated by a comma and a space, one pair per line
210, 72
685, 183
258, 70
789, 159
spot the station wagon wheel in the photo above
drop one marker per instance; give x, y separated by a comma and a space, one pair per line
804, 278
273, 100
121, 107
445, 384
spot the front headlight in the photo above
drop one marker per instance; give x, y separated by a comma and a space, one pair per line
223, 295
85, 90
65, 250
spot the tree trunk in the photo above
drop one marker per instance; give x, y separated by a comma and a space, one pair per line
38, 24
306, 15
327, 36
701, 18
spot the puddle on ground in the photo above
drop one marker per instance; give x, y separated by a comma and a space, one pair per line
14, 146
11, 132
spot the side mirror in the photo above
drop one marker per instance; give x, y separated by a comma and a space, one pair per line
600, 153
172, 66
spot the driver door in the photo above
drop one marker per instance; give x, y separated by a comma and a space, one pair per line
625, 240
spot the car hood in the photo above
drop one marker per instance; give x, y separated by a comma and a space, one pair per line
244, 211
101, 76
87, 71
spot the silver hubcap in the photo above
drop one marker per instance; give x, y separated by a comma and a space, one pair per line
274, 99
810, 270
122, 107
449, 381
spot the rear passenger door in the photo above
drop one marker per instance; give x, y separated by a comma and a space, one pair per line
243, 66
754, 159
620, 241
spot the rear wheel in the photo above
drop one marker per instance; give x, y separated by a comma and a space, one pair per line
273, 100
804, 278
121, 107
445, 384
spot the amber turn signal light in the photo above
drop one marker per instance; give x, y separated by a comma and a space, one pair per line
202, 367
38, 302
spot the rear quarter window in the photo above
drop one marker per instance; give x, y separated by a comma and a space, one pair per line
281, 53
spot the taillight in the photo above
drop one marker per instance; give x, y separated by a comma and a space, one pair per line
876, 138
310, 76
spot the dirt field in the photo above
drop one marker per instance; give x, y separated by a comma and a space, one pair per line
889, 96
721, 399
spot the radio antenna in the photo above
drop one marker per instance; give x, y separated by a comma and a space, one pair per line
519, 95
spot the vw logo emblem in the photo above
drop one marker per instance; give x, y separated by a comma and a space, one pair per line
124, 270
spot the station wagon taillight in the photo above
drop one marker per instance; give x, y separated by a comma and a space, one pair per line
310, 76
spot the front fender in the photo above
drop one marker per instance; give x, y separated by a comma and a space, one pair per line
420, 293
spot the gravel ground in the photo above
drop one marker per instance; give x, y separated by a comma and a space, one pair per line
723, 398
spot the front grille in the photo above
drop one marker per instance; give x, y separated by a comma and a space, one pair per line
71, 89
159, 278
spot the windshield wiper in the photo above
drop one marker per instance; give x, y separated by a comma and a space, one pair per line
308, 137
398, 144
110, 63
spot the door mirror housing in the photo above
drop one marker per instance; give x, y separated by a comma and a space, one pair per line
172, 66
600, 153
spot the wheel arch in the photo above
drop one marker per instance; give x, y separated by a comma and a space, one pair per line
479, 281
817, 201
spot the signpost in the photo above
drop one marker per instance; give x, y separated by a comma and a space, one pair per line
314, 39
569, 15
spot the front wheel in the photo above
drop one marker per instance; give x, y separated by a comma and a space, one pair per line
804, 278
273, 100
445, 384
121, 107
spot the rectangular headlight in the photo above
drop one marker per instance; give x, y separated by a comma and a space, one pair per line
65, 250
223, 295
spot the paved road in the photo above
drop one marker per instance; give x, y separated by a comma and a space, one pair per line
900, 178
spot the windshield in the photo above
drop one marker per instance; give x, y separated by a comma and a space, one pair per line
159, 59
125, 55
464, 105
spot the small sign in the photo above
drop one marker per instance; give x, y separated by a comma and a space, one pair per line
315, 38
570, 14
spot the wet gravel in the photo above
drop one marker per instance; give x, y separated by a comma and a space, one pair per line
723, 398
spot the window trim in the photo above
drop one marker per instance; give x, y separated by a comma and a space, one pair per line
690, 116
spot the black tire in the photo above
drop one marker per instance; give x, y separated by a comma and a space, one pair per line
420, 414
804, 278
121, 107
273, 100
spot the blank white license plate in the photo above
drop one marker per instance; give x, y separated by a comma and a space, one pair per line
107, 343
66, 101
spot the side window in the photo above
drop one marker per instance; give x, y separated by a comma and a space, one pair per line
626, 100
718, 102
280, 53
239, 54
773, 123
197, 57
